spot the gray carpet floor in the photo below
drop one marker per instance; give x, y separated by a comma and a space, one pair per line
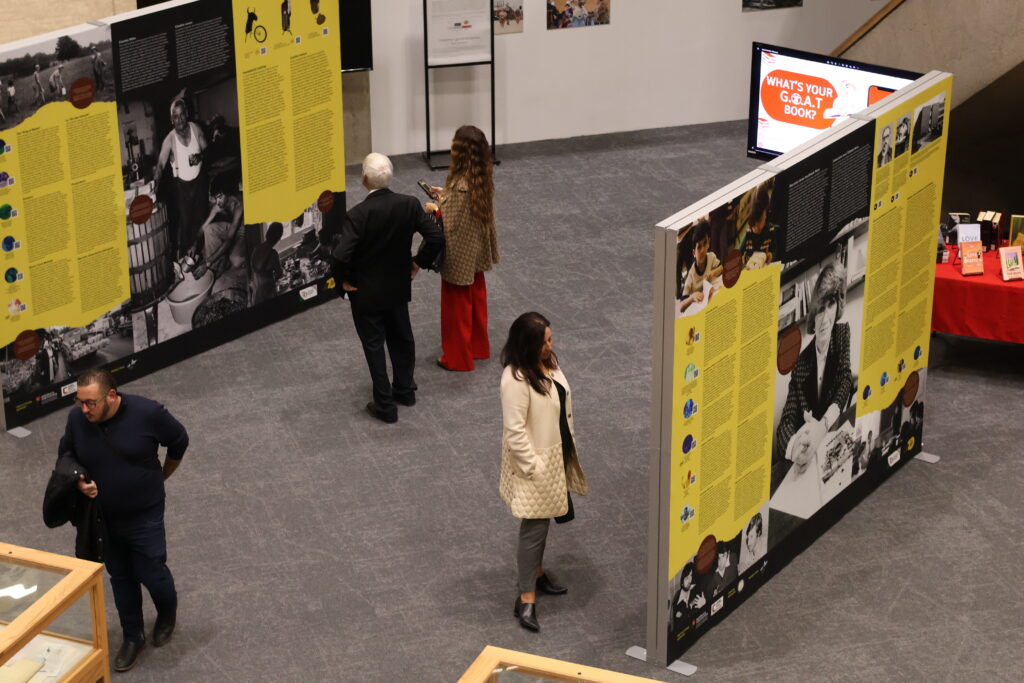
310, 542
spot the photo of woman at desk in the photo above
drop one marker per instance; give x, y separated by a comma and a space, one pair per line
814, 440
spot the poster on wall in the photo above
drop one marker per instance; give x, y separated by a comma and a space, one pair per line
798, 309
508, 16
578, 13
757, 5
64, 289
138, 229
458, 31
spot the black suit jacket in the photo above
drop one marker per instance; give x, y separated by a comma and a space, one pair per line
374, 252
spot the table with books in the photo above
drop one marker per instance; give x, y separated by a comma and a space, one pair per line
982, 306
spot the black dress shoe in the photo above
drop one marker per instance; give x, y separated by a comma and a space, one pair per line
546, 585
375, 410
526, 612
406, 399
127, 654
163, 630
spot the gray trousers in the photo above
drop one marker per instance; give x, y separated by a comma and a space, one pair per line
533, 534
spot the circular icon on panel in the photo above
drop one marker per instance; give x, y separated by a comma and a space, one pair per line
690, 408
8, 244
884, 379
3, 146
911, 388
689, 443
83, 92
732, 268
27, 344
867, 391
917, 353
687, 514
691, 373
707, 553
5, 211
789, 349
141, 209
11, 275
325, 202
902, 365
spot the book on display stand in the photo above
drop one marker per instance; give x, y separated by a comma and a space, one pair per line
971, 256
1010, 263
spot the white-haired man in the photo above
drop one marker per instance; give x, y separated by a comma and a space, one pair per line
375, 267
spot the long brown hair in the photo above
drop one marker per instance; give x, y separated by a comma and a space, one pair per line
522, 351
471, 164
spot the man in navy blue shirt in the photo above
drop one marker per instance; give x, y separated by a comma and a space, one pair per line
116, 437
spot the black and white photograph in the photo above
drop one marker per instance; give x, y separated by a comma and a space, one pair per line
287, 256
757, 5
64, 352
884, 146
902, 135
929, 119
688, 598
815, 402
754, 540
181, 158
32, 77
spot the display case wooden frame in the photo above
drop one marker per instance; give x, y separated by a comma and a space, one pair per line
485, 669
81, 577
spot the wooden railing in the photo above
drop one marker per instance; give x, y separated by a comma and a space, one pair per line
867, 27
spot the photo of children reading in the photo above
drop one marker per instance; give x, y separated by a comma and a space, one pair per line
699, 283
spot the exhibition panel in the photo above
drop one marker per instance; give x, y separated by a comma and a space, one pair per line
793, 314
171, 178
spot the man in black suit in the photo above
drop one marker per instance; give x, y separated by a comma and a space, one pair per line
375, 267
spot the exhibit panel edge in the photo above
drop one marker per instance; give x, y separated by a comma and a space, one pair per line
818, 524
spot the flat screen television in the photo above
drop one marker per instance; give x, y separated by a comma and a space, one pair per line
794, 95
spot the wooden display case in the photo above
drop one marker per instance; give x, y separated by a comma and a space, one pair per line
498, 665
53, 623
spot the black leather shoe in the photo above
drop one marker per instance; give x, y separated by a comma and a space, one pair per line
375, 410
546, 585
526, 612
127, 654
163, 630
406, 399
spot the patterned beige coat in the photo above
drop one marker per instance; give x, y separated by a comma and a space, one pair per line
470, 246
533, 481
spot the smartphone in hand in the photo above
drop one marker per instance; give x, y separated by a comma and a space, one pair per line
426, 188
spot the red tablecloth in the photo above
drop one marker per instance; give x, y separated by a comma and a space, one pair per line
980, 306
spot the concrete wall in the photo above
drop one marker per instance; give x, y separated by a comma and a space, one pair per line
976, 41
659, 63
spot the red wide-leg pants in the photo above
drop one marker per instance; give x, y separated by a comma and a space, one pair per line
464, 324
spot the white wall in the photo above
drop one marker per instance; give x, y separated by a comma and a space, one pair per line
659, 63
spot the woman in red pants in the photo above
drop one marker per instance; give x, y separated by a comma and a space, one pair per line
471, 247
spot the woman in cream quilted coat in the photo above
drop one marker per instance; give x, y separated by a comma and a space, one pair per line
539, 462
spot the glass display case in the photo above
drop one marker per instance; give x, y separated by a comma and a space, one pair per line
497, 665
53, 623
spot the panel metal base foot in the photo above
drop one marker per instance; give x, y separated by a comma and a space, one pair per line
19, 432
927, 457
678, 666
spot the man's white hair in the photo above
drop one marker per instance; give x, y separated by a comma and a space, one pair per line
378, 170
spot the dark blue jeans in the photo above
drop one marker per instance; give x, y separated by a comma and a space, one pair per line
135, 552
